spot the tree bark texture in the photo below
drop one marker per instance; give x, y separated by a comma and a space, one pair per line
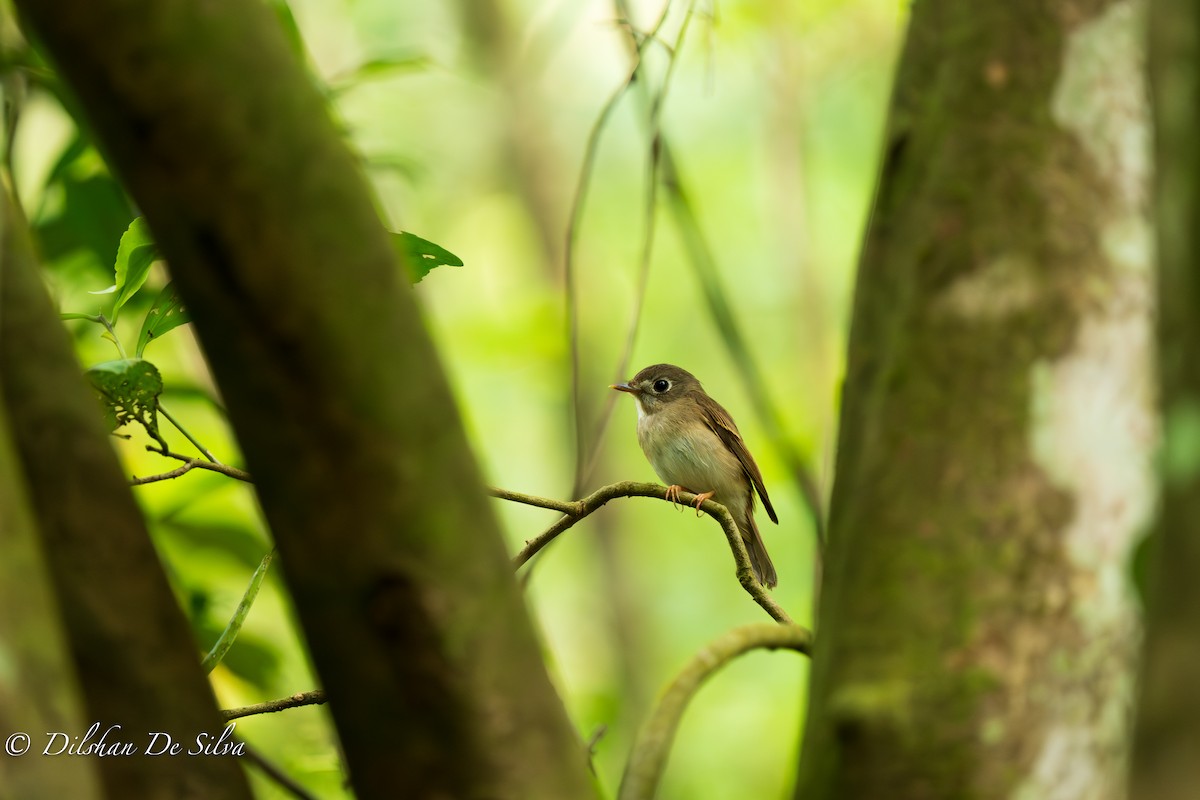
132, 648
977, 631
1166, 756
387, 541
38, 690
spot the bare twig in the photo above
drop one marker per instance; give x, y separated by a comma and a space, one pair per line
585, 462
190, 464
313, 698
562, 506
649, 753
592, 743
569, 281
272, 771
574, 512
203, 450
166, 476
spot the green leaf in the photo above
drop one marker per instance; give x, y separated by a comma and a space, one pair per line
421, 256
229, 635
84, 212
378, 69
166, 314
129, 389
135, 254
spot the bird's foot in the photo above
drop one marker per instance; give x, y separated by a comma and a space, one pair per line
673, 493
700, 498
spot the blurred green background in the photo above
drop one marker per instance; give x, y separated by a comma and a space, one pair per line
472, 120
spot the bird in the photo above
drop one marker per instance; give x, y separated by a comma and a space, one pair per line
694, 445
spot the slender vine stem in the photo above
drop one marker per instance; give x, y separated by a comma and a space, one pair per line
230, 634
701, 257
101, 320
648, 756
272, 771
582, 445
203, 450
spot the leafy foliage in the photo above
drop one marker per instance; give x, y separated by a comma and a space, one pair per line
83, 211
129, 389
166, 314
421, 256
136, 253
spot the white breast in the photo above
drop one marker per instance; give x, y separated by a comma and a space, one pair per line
694, 458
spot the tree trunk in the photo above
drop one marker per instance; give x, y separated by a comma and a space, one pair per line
131, 645
38, 690
1166, 759
977, 630
388, 544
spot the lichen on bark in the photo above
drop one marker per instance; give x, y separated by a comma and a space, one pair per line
994, 469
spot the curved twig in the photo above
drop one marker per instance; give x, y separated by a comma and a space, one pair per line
574, 221
649, 754
585, 464
574, 512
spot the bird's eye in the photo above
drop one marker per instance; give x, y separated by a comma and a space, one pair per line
661, 385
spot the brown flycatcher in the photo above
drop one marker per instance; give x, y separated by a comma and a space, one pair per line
693, 444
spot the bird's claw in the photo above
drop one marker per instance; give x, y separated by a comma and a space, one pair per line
673, 494
674, 490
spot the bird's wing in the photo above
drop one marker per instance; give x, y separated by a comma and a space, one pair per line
719, 421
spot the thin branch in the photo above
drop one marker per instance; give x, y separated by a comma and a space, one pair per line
716, 298
99, 319
272, 771
190, 464
313, 698
569, 287
573, 223
166, 476
112, 333
574, 512
648, 756
562, 506
203, 450
586, 463
701, 257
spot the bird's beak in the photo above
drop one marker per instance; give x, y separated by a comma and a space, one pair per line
624, 387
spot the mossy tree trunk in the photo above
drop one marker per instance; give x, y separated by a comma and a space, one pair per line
1166, 761
38, 690
977, 632
131, 647
387, 541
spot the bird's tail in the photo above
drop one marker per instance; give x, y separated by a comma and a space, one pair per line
764, 570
